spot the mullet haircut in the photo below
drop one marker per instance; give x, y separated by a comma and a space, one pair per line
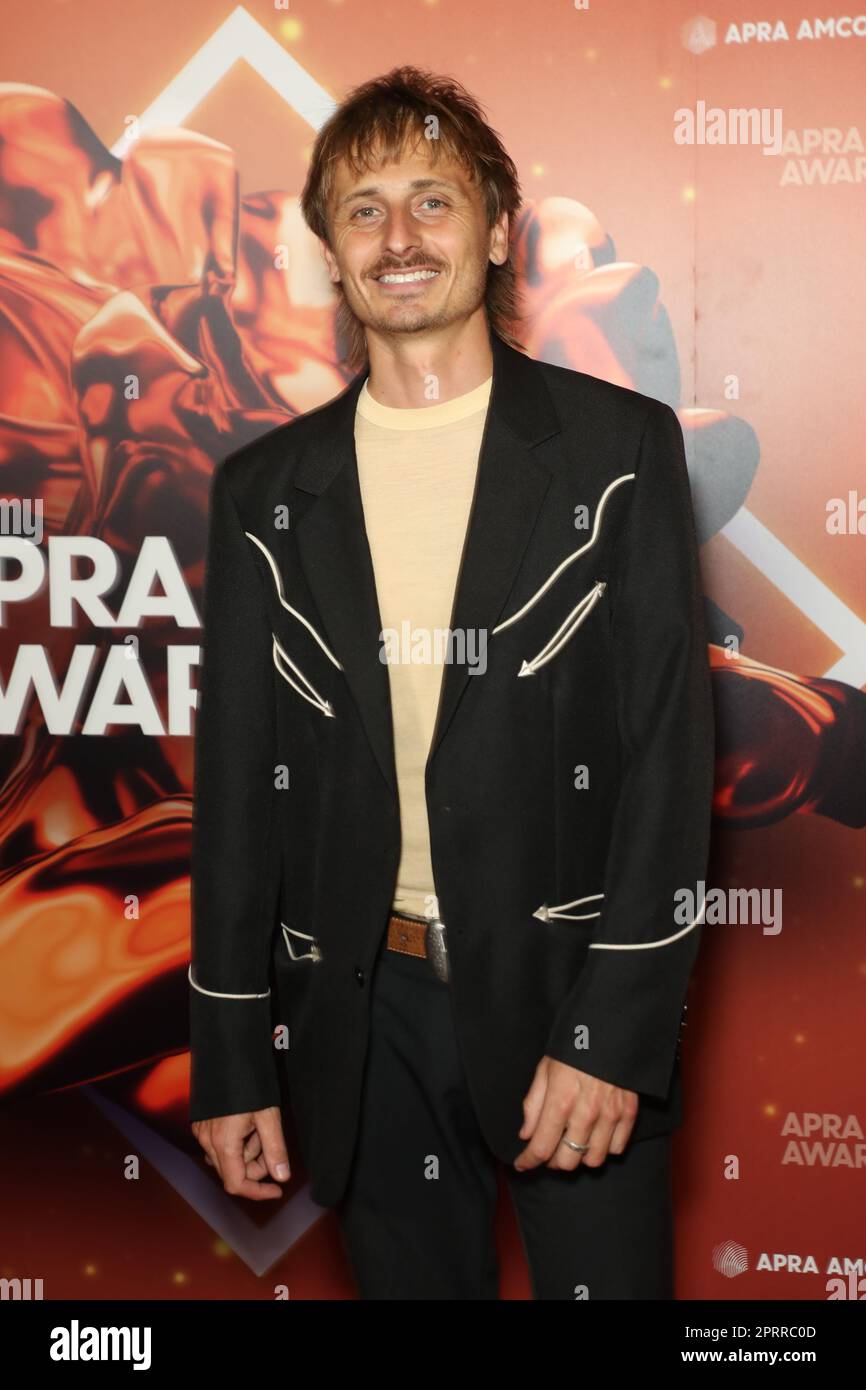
373, 125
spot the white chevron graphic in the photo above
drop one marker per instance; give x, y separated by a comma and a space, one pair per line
239, 37
260, 1247
806, 591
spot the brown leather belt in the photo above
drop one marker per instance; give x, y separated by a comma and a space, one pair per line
407, 935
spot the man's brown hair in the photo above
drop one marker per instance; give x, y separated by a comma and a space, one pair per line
376, 121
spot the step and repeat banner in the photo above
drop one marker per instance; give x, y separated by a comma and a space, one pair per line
694, 185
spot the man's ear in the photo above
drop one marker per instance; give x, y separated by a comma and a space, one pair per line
330, 262
499, 240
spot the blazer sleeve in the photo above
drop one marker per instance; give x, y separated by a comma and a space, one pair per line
630, 992
235, 873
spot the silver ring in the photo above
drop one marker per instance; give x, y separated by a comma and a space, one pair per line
578, 1148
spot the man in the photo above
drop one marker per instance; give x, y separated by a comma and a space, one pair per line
474, 864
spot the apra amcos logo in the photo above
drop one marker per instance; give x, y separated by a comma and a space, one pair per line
845, 1276
730, 1259
823, 1140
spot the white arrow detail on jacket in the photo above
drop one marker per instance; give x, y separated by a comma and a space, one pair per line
545, 913
648, 945
578, 615
314, 698
278, 581
569, 559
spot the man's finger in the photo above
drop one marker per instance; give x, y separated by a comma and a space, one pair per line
533, 1101
548, 1131
274, 1152
234, 1174
253, 1147
253, 1188
229, 1136
205, 1138
622, 1132
257, 1168
598, 1138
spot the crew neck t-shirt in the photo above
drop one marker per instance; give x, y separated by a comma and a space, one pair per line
417, 469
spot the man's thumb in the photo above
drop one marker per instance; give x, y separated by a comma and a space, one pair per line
274, 1152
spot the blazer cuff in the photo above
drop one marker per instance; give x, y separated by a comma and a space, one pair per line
233, 1069
625, 1013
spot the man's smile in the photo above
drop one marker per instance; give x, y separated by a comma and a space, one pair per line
414, 279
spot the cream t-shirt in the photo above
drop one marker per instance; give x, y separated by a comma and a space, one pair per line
417, 471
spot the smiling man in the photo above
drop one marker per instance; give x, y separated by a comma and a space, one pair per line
466, 889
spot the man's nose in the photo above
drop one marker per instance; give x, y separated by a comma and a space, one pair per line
401, 231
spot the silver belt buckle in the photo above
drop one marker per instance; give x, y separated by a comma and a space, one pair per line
436, 946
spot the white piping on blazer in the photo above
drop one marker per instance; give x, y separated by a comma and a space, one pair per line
554, 644
647, 945
544, 913
314, 955
315, 699
278, 581
569, 559
215, 994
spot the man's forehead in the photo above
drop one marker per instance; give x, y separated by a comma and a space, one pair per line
405, 173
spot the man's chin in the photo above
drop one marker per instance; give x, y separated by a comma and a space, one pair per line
401, 319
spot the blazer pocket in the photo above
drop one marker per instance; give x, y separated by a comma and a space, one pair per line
564, 633
562, 911
300, 945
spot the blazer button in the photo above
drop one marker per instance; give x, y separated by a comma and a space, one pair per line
359, 976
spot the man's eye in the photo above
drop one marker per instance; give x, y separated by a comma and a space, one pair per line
432, 199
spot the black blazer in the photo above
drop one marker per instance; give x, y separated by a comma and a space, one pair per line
568, 784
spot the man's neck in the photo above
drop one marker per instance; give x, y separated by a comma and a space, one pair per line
410, 372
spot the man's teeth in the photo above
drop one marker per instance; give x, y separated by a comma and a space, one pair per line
405, 279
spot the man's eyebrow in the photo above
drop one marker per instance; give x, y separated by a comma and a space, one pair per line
372, 190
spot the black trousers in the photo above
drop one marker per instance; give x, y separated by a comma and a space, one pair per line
417, 1216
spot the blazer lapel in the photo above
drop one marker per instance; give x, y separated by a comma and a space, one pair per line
338, 567
510, 486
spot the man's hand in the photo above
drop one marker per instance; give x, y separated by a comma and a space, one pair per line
244, 1149
590, 1111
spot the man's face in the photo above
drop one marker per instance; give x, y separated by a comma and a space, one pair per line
411, 215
